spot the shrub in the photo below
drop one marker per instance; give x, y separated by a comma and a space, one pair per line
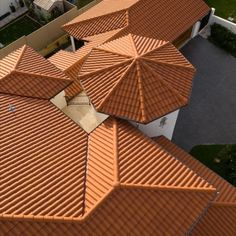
227, 158
223, 38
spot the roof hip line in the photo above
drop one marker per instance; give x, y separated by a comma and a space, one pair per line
142, 102
116, 85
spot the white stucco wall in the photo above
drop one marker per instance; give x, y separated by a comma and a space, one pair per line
4, 6
155, 128
59, 100
195, 29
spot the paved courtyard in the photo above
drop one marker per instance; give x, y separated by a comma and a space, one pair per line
210, 116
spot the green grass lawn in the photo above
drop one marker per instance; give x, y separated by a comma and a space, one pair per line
224, 8
207, 154
15, 30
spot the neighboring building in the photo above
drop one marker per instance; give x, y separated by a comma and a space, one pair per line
58, 180
48, 8
4, 7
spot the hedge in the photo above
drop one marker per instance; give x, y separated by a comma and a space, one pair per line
223, 38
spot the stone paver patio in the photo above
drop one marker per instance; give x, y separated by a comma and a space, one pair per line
210, 116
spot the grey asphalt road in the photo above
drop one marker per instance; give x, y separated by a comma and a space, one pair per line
210, 116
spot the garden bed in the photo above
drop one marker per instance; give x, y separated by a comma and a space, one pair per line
219, 158
20, 27
223, 38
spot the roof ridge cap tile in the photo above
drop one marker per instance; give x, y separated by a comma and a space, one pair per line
169, 188
100, 48
165, 43
136, 54
65, 78
85, 174
92, 18
104, 68
115, 143
20, 56
141, 92
201, 215
190, 66
224, 204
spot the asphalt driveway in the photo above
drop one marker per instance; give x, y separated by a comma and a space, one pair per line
210, 116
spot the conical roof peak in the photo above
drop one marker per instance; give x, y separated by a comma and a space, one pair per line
132, 45
150, 78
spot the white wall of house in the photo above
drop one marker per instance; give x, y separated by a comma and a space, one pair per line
163, 126
195, 29
4, 6
59, 100
47, 12
218, 20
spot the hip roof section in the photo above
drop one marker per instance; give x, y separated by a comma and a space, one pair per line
163, 19
126, 212
52, 170
26, 73
43, 160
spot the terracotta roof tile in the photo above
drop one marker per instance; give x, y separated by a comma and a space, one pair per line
163, 19
26, 73
126, 212
104, 7
55, 172
150, 78
63, 59
113, 21
218, 220
118, 154
42, 169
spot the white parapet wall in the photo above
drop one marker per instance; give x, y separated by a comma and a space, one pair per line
59, 100
195, 29
218, 20
163, 126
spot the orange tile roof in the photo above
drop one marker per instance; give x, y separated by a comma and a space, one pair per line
163, 19
125, 212
56, 172
104, 7
117, 20
42, 169
24, 72
137, 78
220, 219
